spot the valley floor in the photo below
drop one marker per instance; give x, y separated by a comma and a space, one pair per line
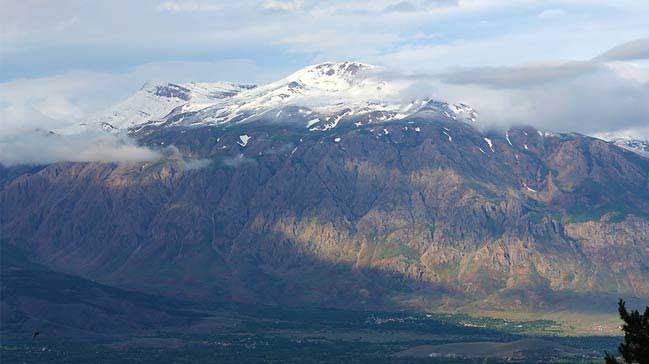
271, 335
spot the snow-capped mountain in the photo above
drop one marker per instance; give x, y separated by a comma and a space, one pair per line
635, 145
422, 200
628, 139
319, 97
154, 101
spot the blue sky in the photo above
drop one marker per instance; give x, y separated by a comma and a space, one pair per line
44, 38
63, 60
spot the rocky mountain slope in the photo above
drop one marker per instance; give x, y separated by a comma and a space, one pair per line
270, 195
635, 145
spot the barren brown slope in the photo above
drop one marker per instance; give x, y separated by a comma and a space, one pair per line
424, 213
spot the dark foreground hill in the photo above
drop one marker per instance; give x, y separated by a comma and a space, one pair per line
62, 307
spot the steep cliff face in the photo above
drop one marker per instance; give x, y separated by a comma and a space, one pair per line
424, 212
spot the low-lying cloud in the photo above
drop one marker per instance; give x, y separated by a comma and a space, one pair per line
636, 49
521, 76
594, 97
44, 147
194, 164
31, 108
237, 160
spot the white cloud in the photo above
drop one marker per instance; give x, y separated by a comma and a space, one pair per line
636, 49
632, 70
30, 108
189, 6
522, 76
23, 21
70, 96
402, 6
121, 31
551, 14
283, 5
59, 107
592, 96
591, 102
339, 45
41, 147
640, 132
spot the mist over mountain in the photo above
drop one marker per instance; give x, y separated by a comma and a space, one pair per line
354, 89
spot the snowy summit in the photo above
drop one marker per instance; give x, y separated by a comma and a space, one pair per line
319, 97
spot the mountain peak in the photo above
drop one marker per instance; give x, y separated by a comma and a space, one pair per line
335, 69
331, 70
166, 89
331, 77
319, 97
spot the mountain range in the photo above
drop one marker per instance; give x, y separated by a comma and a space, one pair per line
333, 188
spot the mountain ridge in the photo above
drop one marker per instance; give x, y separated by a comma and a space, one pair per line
318, 97
424, 212
428, 206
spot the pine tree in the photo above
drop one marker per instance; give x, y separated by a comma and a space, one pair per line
635, 348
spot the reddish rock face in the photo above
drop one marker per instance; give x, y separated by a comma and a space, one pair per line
423, 213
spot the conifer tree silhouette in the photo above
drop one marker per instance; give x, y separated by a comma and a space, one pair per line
635, 348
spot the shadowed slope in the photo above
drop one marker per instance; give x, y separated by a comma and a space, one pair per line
62, 306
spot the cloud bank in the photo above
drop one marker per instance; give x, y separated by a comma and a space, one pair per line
31, 108
43, 147
520, 77
637, 49
44, 38
594, 97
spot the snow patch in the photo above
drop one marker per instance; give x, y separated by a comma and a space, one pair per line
312, 122
243, 140
491, 145
529, 188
